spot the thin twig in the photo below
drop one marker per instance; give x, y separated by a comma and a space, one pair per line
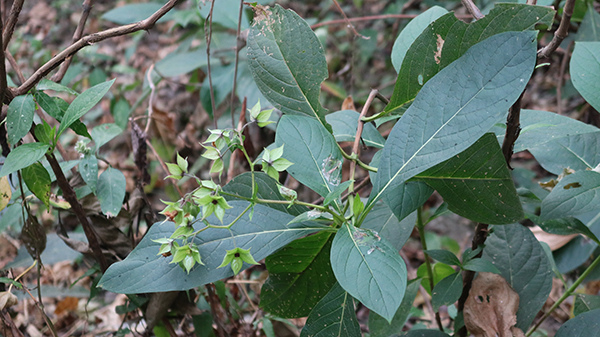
472, 8
561, 32
375, 17
11, 22
3, 85
513, 128
349, 25
357, 137
15, 66
561, 79
87, 7
209, 73
237, 57
39, 305
88, 40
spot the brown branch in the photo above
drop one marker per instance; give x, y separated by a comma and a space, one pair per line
472, 8
11, 22
88, 40
357, 137
71, 198
561, 32
14, 65
513, 128
87, 8
3, 85
349, 25
375, 17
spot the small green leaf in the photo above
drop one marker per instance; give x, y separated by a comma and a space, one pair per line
88, 168
337, 192
23, 156
585, 303
111, 191
46, 84
19, 117
38, 181
83, 103
444, 256
447, 291
481, 265
182, 163
104, 133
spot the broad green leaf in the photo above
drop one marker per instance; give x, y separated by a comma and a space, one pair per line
181, 63
19, 117
314, 152
88, 168
266, 232
444, 256
38, 181
287, 62
344, 124
585, 71
299, 276
266, 188
333, 316
440, 271
575, 194
540, 127
446, 39
515, 251
589, 30
369, 268
132, 13
566, 226
111, 191
585, 303
477, 184
104, 133
578, 152
46, 84
584, 325
23, 156
411, 32
447, 291
83, 103
454, 109
383, 221
380, 327
5, 192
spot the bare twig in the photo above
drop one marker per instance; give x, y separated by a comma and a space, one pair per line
209, 74
359, 130
375, 17
349, 25
11, 22
472, 8
561, 32
87, 7
236, 62
3, 85
88, 40
15, 66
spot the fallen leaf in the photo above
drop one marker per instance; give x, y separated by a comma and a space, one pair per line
491, 308
555, 241
67, 304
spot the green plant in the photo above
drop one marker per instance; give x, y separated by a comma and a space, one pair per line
457, 84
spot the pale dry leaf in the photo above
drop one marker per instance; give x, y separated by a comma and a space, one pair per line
555, 241
491, 308
7, 300
348, 104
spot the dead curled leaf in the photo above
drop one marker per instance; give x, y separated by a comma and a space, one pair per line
491, 308
7, 300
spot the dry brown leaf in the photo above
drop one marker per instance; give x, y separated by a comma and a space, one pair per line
490, 310
555, 241
67, 304
7, 300
348, 104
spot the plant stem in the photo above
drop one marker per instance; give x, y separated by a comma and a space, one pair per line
360, 163
359, 130
567, 293
421, 229
561, 32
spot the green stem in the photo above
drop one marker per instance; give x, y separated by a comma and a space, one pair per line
567, 293
353, 158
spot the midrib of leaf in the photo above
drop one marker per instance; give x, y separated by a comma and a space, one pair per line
364, 259
460, 178
343, 313
578, 156
261, 232
285, 61
591, 9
